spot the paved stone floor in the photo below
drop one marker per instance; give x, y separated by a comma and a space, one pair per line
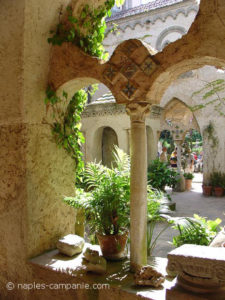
187, 204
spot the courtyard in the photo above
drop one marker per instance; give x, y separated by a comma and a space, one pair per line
104, 105
189, 203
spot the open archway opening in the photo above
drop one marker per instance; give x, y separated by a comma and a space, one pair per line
109, 141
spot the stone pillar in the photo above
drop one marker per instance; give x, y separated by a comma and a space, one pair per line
178, 144
138, 198
181, 184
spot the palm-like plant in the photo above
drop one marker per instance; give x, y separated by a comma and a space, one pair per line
107, 206
197, 230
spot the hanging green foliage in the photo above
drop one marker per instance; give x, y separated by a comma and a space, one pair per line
212, 94
86, 31
66, 115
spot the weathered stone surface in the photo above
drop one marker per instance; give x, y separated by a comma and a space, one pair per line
219, 240
24, 67
199, 268
70, 244
148, 276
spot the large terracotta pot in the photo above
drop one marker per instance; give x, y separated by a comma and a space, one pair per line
218, 191
207, 190
113, 246
188, 184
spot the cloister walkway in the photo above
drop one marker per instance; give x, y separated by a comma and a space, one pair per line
187, 204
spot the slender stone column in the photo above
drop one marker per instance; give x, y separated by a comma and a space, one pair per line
178, 144
138, 198
181, 184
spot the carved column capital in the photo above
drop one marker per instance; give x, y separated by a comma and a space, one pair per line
138, 111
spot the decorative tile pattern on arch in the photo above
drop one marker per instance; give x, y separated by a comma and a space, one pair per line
129, 69
129, 48
129, 89
148, 66
110, 73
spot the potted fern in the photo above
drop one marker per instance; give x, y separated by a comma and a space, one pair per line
218, 183
188, 181
106, 203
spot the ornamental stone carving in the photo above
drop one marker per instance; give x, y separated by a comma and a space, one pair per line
199, 268
138, 111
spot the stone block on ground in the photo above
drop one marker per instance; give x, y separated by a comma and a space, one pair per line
70, 244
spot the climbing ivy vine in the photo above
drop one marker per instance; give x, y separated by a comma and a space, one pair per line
66, 115
87, 32
211, 135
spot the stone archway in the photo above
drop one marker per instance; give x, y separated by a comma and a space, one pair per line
109, 141
160, 43
138, 77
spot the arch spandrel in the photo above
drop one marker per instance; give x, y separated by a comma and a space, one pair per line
126, 74
135, 72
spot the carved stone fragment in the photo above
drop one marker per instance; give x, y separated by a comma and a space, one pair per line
94, 262
148, 276
199, 268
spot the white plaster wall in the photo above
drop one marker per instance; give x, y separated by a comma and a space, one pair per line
134, 27
120, 123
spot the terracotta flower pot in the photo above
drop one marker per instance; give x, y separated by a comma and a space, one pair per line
218, 191
113, 246
188, 184
207, 190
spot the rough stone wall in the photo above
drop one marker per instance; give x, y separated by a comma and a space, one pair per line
50, 172
35, 173
12, 144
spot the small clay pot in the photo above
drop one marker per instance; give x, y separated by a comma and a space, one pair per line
218, 191
207, 190
188, 184
113, 246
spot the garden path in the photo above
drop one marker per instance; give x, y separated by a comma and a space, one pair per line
187, 204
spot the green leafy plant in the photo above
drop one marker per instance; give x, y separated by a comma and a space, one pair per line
197, 230
66, 122
211, 95
106, 203
154, 216
106, 207
217, 179
160, 175
188, 176
209, 131
87, 30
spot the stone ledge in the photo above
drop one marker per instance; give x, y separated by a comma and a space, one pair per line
118, 276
